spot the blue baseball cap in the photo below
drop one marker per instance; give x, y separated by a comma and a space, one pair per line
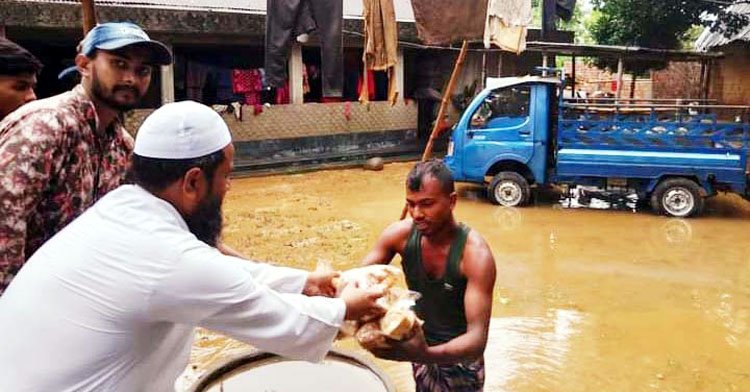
117, 35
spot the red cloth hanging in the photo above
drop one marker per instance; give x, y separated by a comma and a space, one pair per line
370, 85
242, 81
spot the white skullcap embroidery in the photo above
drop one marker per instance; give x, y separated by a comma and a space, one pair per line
182, 130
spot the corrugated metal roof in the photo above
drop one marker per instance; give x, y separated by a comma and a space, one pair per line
708, 39
352, 8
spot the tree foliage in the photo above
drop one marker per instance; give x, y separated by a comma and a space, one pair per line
660, 24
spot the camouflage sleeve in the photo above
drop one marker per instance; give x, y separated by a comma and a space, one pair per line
27, 158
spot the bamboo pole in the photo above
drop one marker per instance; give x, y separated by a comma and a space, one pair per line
88, 15
438, 127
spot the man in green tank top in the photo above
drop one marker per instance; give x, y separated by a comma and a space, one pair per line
453, 268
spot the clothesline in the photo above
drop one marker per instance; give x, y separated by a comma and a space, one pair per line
414, 45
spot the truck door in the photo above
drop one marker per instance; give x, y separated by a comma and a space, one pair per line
501, 125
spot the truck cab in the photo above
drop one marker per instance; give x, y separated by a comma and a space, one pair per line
503, 138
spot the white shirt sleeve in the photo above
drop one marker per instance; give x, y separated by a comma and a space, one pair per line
282, 279
218, 292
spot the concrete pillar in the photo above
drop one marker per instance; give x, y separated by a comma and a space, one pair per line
400, 73
167, 80
295, 74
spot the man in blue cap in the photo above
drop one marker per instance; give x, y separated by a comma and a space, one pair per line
59, 155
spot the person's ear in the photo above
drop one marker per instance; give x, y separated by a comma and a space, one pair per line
194, 186
454, 198
83, 64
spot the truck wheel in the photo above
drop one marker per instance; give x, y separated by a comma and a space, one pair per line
509, 189
678, 197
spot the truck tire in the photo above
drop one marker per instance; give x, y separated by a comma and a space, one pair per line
509, 189
678, 197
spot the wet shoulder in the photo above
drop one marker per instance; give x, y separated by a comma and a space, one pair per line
397, 233
477, 251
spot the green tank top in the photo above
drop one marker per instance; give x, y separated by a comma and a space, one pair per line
442, 303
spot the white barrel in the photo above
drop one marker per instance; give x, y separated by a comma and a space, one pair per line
259, 371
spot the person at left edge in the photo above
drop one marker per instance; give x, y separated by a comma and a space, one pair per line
18, 72
59, 155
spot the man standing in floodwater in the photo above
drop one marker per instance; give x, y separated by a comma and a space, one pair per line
453, 268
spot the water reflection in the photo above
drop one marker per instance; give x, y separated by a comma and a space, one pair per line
508, 218
530, 352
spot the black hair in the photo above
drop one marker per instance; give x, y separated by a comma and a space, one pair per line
15, 60
156, 174
434, 168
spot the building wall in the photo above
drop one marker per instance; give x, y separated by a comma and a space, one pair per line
730, 76
678, 80
310, 119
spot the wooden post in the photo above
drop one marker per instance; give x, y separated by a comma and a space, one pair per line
573, 76
704, 79
545, 61
483, 82
499, 64
438, 127
446, 100
88, 14
548, 19
620, 66
295, 74
167, 80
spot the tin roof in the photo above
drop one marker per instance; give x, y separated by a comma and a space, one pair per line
352, 8
708, 39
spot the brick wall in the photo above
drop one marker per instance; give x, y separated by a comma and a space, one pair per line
592, 79
730, 77
312, 119
678, 80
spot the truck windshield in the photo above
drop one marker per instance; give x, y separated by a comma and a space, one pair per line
502, 108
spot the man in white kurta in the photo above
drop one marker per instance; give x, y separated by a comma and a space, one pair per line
110, 303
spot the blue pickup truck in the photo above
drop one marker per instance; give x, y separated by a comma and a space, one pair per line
520, 133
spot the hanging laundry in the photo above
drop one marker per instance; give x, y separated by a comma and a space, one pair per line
248, 82
282, 94
506, 24
195, 80
224, 88
285, 19
366, 86
242, 81
441, 22
305, 82
381, 41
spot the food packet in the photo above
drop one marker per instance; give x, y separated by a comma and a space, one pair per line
399, 321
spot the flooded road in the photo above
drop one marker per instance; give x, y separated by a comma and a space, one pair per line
585, 300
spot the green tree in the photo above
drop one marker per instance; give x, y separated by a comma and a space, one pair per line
661, 24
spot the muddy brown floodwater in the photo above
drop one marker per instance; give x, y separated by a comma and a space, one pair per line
585, 300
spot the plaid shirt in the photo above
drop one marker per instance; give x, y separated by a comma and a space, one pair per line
53, 166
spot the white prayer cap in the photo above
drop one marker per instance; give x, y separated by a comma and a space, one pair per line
182, 130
